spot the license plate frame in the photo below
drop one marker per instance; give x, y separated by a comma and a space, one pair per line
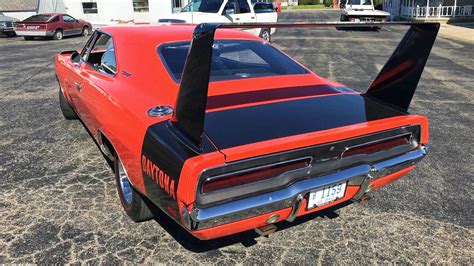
326, 195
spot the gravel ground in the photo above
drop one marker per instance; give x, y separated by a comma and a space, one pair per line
58, 201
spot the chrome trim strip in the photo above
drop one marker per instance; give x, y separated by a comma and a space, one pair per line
33, 33
288, 197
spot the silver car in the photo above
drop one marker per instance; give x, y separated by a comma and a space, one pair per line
7, 25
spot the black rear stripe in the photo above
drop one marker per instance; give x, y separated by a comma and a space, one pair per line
231, 99
240, 126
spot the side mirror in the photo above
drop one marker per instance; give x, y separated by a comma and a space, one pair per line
342, 5
229, 11
75, 57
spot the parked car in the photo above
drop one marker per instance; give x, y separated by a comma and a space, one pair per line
53, 25
362, 11
7, 25
227, 11
225, 133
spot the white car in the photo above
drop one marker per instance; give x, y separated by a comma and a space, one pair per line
228, 11
361, 10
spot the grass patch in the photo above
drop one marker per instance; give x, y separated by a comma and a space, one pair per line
306, 7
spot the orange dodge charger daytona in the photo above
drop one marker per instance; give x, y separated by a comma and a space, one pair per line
225, 133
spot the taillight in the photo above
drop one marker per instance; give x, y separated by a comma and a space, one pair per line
377, 146
252, 175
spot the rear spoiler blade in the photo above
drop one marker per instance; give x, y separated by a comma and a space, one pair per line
396, 83
394, 86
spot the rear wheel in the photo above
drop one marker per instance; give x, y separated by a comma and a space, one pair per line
85, 31
66, 108
58, 35
266, 35
131, 200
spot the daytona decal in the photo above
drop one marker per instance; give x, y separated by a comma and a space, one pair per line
159, 176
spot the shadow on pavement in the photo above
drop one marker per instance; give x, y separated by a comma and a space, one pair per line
247, 238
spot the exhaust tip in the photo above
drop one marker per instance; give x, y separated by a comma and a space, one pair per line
266, 230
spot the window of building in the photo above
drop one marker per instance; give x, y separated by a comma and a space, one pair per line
89, 7
140, 6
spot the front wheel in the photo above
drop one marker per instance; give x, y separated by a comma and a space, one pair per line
266, 35
131, 200
85, 31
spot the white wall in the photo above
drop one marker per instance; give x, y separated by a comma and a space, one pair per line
108, 10
19, 15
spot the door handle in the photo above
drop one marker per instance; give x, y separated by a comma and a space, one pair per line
78, 85
252, 17
237, 18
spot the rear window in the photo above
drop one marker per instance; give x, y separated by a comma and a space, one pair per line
263, 8
38, 18
233, 59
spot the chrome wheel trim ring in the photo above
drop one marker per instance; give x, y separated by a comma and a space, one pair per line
266, 35
125, 187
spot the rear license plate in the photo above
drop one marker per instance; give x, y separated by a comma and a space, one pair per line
326, 195
32, 27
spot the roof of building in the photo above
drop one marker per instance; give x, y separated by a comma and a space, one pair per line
18, 5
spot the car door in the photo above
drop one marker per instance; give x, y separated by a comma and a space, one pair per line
96, 71
71, 26
239, 11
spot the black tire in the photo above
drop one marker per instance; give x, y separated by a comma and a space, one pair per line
266, 34
85, 31
58, 34
10, 34
66, 108
28, 38
132, 202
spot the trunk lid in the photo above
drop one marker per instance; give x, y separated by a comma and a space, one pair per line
244, 125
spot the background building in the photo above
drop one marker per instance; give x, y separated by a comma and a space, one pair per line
19, 9
430, 9
95, 11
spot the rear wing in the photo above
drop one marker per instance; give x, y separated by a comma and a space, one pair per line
394, 85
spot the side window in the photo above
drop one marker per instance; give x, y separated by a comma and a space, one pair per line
101, 55
55, 19
108, 64
244, 6
85, 51
230, 7
237, 6
68, 18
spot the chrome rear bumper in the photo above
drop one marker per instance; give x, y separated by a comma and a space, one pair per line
292, 196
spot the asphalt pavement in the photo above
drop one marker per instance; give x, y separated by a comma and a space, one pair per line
58, 201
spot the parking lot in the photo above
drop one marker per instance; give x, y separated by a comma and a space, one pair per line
59, 204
